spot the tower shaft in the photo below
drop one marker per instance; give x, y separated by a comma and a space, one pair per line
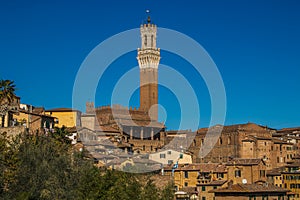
148, 58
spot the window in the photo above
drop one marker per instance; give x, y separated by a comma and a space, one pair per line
264, 197
176, 188
220, 141
170, 162
186, 184
162, 155
181, 156
237, 173
262, 173
169, 152
151, 40
220, 175
229, 140
186, 174
203, 188
145, 40
215, 187
203, 198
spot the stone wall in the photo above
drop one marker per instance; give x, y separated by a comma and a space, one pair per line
12, 131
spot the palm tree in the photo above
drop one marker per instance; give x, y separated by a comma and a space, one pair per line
7, 96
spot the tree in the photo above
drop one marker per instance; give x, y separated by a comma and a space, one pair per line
168, 192
7, 95
8, 162
150, 191
46, 167
60, 134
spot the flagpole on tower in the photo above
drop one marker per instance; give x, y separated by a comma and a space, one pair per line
148, 13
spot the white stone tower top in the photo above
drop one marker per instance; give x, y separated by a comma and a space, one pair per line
148, 54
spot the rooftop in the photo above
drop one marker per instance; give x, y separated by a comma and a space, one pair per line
250, 188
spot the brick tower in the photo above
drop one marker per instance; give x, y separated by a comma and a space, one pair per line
148, 58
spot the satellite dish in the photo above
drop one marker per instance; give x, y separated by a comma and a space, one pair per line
244, 181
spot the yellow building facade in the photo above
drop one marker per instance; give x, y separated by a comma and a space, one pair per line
65, 117
191, 175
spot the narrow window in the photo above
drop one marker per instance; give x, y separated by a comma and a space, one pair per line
237, 173
186, 174
145, 41
151, 40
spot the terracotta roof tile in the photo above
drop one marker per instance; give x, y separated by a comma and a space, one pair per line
214, 182
203, 167
250, 188
242, 161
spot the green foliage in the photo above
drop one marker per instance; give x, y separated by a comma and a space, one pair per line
60, 134
168, 192
46, 167
7, 94
7, 90
150, 191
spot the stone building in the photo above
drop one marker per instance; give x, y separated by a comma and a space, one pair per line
287, 177
249, 141
191, 175
250, 192
246, 170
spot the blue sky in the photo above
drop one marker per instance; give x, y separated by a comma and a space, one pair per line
255, 45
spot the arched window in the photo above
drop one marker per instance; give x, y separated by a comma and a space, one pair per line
152, 40
220, 141
238, 173
145, 41
229, 140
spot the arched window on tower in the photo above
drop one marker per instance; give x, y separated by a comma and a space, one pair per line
152, 40
145, 40
220, 141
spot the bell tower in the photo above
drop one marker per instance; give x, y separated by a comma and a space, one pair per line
148, 58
